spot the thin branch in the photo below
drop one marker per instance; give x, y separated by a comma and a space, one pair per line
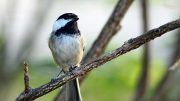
175, 66
143, 80
108, 31
26, 78
165, 81
129, 45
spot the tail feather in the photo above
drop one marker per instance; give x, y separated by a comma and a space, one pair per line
73, 91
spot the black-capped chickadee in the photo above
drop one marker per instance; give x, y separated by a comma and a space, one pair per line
67, 45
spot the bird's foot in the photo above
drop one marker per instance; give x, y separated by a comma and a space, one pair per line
72, 68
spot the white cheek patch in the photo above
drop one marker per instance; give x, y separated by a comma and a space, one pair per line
60, 23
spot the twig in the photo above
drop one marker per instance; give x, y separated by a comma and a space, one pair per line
165, 81
175, 66
143, 80
129, 45
26, 78
110, 29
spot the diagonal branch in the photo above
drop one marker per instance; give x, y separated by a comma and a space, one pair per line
109, 30
165, 82
175, 65
129, 45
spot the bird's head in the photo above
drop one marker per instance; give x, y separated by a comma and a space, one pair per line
65, 22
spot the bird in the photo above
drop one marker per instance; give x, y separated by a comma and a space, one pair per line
67, 46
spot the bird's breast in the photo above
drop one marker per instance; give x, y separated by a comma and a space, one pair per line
67, 50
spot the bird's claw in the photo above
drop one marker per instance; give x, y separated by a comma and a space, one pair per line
72, 68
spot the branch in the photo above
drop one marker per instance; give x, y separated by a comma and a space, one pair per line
129, 45
26, 78
165, 82
160, 91
109, 30
144, 74
175, 66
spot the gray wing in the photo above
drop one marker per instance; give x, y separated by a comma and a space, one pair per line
83, 42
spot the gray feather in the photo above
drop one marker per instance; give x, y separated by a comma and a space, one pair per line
73, 91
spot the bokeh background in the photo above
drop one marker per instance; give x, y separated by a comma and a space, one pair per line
25, 26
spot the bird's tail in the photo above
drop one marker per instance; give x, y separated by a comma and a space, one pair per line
73, 91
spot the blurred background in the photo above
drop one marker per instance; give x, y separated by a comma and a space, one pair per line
25, 27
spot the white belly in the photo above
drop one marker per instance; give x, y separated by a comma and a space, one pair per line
66, 50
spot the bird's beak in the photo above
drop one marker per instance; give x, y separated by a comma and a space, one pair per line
76, 19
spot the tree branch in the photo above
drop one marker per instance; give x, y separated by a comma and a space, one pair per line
129, 45
144, 74
109, 30
165, 82
26, 78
